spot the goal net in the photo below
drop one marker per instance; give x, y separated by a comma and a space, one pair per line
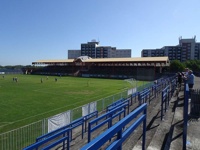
131, 85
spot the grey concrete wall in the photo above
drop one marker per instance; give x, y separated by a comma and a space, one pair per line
145, 74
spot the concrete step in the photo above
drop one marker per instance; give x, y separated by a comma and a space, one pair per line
177, 124
157, 139
173, 138
153, 123
163, 132
153, 110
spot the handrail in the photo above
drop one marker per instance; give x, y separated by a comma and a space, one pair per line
89, 116
118, 129
39, 143
143, 95
185, 113
72, 125
165, 100
58, 142
115, 103
134, 95
127, 101
108, 118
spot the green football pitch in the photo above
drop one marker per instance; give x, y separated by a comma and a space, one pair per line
35, 97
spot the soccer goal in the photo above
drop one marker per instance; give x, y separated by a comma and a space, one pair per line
131, 85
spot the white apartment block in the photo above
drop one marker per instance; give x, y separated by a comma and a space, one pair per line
73, 54
187, 49
94, 50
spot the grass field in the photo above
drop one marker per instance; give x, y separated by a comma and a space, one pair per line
29, 100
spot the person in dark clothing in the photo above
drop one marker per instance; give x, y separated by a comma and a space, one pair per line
179, 79
190, 81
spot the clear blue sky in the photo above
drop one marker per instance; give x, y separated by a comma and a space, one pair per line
32, 30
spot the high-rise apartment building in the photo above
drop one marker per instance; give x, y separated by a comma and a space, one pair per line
187, 49
73, 54
94, 50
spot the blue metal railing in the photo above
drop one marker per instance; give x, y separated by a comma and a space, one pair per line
165, 100
108, 117
143, 96
134, 96
58, 142
90, 116
78, 122
114, 110
115, 103
36, 145
157, 89
118, 129
185, 113
127, 101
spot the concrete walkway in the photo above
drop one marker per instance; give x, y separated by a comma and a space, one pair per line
169, 134
193, 135
193, 128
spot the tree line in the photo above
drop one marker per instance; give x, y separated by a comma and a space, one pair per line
16, 67
177, 66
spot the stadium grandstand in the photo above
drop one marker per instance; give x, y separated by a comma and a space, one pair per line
143, 68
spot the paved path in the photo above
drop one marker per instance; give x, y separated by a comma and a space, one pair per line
193, 128
169, 134
193, 136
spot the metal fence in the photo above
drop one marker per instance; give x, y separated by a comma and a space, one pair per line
21, 137
195, 103
24, 136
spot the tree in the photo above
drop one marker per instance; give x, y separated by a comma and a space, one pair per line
194, 65
176, 66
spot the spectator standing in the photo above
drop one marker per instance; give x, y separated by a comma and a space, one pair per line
179, 79
185, 73
190, 81
155, 82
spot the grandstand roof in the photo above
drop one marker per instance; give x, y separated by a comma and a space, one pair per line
53, 61
136, 60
